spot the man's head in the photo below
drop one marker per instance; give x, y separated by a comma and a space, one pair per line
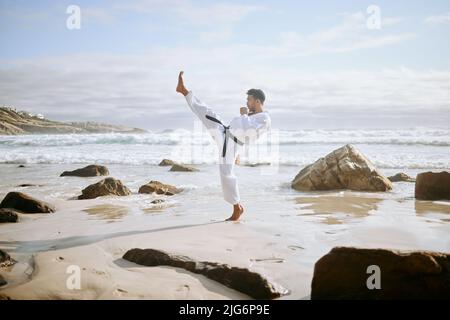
255, 100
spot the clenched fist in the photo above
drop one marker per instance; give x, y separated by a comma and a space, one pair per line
244, 110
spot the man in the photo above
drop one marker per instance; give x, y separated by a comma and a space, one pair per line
245, 128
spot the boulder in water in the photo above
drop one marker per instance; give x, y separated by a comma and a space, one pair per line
159, 188
401, 177
343, 168
182, 167
24, 203
105, 187
166, 162
92, 170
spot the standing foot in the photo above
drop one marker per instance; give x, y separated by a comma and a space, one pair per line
180, 86
237, 212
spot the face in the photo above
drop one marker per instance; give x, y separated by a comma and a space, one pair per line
251, 102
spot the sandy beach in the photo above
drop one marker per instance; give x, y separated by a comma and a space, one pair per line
281, 235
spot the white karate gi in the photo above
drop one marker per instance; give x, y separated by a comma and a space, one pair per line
245, 128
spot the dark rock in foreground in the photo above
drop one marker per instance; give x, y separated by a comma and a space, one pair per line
433, 186
92, 170
105, 187
22, 202
240, 279
343, 274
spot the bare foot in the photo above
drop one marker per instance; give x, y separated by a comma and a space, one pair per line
180, 86
237, 212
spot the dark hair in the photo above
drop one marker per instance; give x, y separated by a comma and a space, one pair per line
257, 94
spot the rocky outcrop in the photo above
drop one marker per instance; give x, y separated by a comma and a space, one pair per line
240, 279
401, 177
182, 167
166, 162
8, 215
5, 259
348, 273
159, 188
26, 204
105, 187
343, 168
92, 170
14, 122
433, 186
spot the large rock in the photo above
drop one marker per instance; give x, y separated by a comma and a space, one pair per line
5, 259
166, 162
8, 215
401, 177
159, 188
92, 170
433, 186
22, 202
182, 167
105, 187
240, 279
343, 274
343, 168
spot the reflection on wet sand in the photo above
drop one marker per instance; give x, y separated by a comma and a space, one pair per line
107, 212
439, 210
340, 206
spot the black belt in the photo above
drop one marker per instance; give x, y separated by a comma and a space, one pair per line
227, 134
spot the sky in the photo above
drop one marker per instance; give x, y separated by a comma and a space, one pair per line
322, 64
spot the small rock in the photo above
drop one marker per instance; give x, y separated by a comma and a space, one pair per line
182, 167
105, 187
159, 188
25, 203
157, 201
92, 170
28, 185
401, 177
21, 166
8, 215
166, 162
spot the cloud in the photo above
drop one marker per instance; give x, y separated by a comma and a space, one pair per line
140, 90
349, 34
438, 19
